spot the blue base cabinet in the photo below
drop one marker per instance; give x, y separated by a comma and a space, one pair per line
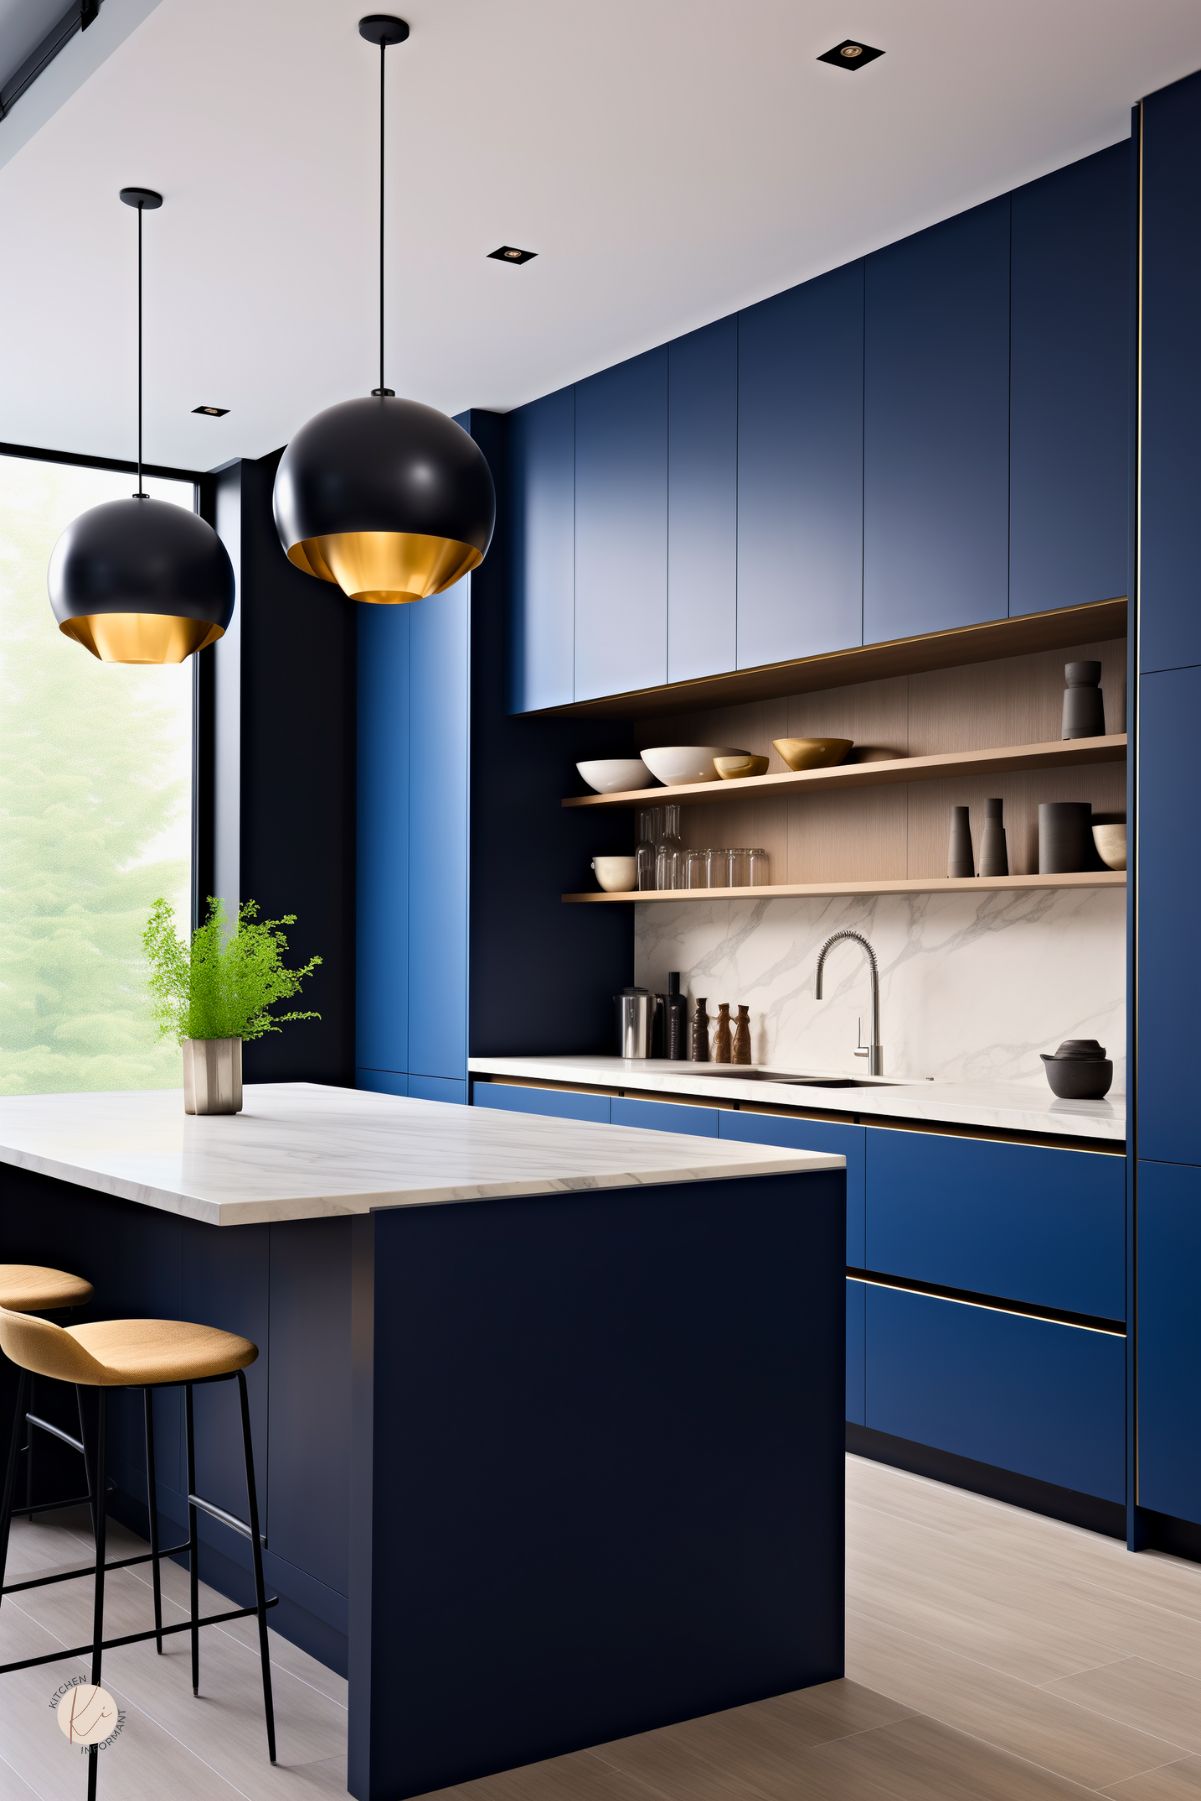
1015, 1222
666, 1116
559, 1103
1169, 1340
1033, 1396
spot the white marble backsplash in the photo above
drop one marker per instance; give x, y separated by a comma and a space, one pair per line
971, 989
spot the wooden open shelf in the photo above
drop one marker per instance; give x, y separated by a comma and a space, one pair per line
1057, 755
1101, 878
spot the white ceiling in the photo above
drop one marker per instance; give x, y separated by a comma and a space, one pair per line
670, 160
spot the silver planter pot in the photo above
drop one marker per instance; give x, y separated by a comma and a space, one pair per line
212, 1075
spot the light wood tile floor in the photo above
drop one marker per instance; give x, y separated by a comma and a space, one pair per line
991, 1656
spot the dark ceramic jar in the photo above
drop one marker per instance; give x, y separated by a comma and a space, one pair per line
1079, 1070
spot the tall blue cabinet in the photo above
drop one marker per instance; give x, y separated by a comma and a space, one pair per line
1168, 864
539, 512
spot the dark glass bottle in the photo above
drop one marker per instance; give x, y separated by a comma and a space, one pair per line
698, 1033
676, 1010
723, 1047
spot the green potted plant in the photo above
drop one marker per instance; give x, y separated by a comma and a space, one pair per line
216, 991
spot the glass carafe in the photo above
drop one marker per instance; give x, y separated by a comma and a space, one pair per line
650, 825
669, 852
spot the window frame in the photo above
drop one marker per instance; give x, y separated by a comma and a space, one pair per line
204, 490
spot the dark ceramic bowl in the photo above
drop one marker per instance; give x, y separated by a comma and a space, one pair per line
1079, 1078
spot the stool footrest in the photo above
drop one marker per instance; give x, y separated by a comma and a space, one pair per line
137, 1638
65, 1438
26, 1513
219, 1514
120, 1563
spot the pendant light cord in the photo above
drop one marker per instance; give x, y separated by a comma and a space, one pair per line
141, 494
381, 392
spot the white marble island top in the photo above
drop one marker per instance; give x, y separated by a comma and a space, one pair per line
302, 1151
1010, 1107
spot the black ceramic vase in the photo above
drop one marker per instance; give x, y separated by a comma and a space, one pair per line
1079, 1070
1065, 841
960, 861
1083, 705
994, 852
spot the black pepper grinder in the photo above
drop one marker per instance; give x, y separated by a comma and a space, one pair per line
676, 1011
698, 1033
723, 1049
742, 1035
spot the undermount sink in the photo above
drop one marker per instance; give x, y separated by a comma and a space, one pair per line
772, 1075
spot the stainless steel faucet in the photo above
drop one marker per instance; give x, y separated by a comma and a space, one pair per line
873, 1050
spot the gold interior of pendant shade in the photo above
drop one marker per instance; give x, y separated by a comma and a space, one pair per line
141, 637
386, 567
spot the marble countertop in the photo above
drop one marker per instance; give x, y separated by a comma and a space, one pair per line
995, 1106
301, 1151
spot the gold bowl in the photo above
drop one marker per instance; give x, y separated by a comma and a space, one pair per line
813, 753
736, 769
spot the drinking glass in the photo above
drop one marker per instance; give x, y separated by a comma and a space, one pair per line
737, 868
717, 866
759, 871
696, 869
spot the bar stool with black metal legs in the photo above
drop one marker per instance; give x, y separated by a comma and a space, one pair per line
32, 1288
145, 1354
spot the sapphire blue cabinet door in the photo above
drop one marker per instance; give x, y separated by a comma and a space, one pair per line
621, 528
1169, 987
381, 1081
702, 501
1024, 1394
1169, 1340
437, 772
800, 470
564, 1103
540, 515
665, 1116
1170, 616
1016, 1222
936, 428
1072, 351
438, 1088
812, 1135
382, 840
856, 1351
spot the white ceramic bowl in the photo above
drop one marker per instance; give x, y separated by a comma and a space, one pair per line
1110, 841
677, 765
616, 875
613, 775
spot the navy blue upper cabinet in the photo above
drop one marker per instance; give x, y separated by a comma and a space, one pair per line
1170, 579
382, 840
702, 501
1169, 986
621, 528
800, 471
1072, 351
936, 428
540, 451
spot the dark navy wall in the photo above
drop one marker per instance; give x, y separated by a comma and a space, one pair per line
284, 777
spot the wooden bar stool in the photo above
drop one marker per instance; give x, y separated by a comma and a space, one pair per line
32, 1288
145, 1354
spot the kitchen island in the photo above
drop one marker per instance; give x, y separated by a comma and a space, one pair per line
548, 1417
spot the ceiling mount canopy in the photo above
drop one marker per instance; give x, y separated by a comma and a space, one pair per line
386, 498
141, 580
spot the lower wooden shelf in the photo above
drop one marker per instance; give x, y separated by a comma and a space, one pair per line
1101, 878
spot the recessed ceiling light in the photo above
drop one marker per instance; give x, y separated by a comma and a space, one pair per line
211, 412
509, 253
850, 54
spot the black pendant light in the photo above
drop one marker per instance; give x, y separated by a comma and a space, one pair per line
141, 580
387, 498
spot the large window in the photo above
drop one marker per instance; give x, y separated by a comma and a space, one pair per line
95, 812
